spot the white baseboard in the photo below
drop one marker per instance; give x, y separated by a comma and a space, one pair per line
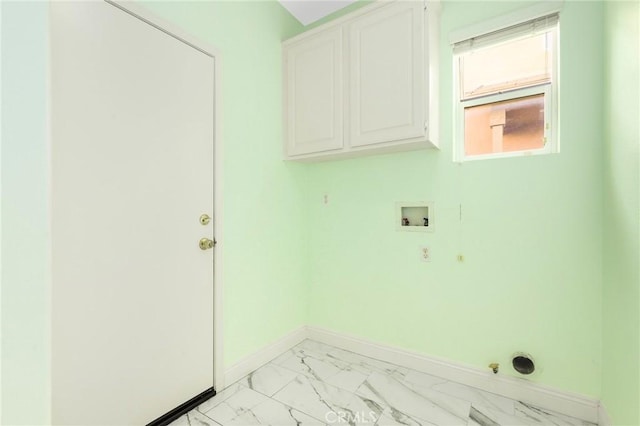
603, 416
262, 356
567, 403
571, 404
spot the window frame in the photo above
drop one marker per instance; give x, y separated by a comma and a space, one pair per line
551, 113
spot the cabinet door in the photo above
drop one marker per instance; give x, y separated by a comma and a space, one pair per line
387, 74
313, 93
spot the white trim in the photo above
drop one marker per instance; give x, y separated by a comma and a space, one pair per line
165, 26
262, 356
603, 416
49, 174
538, 10
568, 403
48, 242
173, 30
218, 217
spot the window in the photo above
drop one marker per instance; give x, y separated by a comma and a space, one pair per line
506, 91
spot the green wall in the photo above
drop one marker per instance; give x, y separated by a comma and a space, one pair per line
530, 233
621, 284
264, 250
25, 225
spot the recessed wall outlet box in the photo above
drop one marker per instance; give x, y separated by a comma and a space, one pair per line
416, 216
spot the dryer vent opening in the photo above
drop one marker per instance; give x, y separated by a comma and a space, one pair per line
523, 364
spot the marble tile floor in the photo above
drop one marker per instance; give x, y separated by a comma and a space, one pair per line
318, 384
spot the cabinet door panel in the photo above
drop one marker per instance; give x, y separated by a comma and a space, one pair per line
314, 110
387, 74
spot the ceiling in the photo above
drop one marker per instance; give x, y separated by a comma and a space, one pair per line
309, 11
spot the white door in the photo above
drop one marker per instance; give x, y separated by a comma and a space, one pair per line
132, 116
387, 74
314, 99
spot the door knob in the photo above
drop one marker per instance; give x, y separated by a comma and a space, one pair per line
206, 244
205, 219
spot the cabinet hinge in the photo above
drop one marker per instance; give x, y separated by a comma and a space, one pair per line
426, 126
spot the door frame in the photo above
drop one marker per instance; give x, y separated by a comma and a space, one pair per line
178, 33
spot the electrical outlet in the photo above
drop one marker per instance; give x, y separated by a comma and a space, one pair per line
425, 254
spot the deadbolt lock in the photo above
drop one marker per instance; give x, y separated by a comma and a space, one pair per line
205, 219
206, 244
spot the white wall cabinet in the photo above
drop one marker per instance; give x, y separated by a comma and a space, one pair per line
363, 84
315, 87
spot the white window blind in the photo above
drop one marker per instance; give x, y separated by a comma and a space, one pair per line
524, 29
